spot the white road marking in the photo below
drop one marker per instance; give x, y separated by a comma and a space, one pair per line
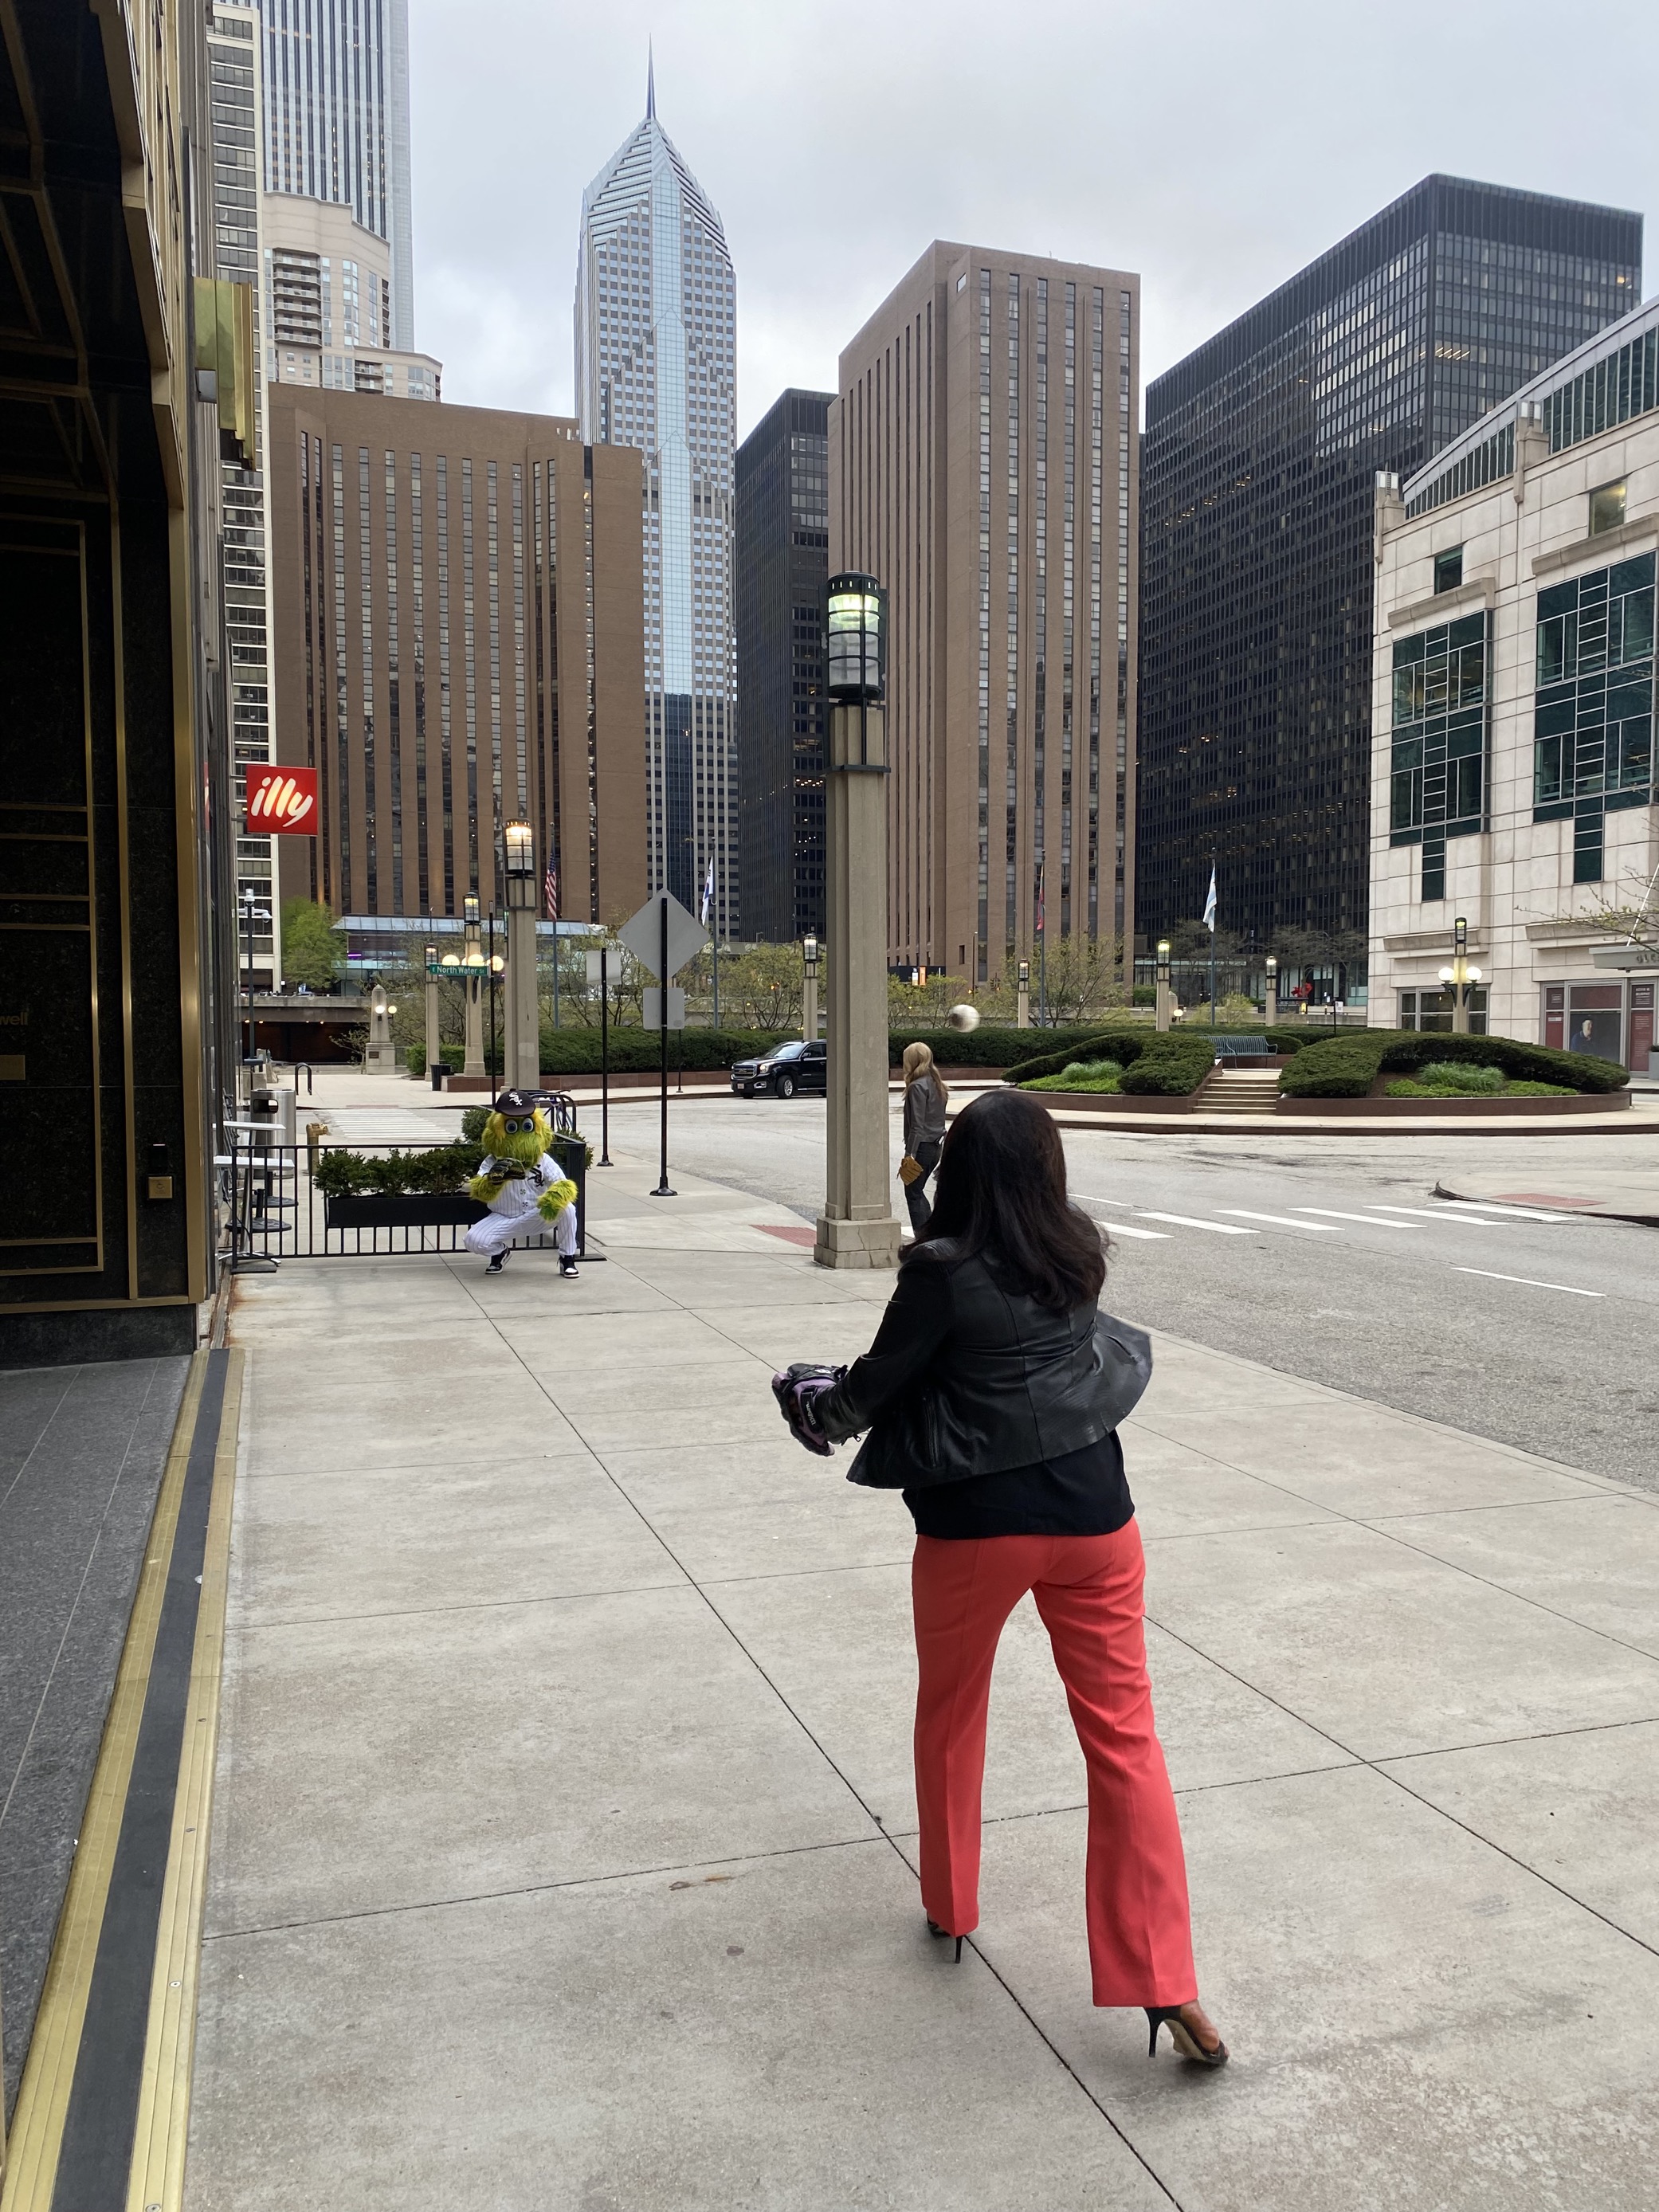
1422, 1213
1189, 1221
1493, 1209
1531, 1282
1370, 1219
1284, 1221
1120, 1228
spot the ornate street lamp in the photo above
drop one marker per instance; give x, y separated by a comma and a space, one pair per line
1460, 975
809, 1007
475, 966
1270, 996
1162, 1016
1023, 1017
857, 1228
524, 1050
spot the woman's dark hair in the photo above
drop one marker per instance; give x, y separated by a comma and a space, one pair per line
1002, 1192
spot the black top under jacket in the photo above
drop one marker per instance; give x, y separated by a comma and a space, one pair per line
971, 1386
1084, 1493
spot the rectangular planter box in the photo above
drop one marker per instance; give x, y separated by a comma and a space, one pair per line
1592, 1102
413, 1209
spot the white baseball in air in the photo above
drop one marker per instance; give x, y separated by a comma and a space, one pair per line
963, 1018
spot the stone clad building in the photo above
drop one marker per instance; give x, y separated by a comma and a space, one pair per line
1512, 779
982, 464
456, 642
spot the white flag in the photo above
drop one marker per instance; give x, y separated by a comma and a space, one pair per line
1209, 903
708, 896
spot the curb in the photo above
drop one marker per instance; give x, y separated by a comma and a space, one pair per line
1578, 1212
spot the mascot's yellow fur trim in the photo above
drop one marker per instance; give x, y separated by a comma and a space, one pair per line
521, 1138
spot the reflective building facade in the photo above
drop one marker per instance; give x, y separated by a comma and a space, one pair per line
655, 324
336, 101
782, 568
1259, 466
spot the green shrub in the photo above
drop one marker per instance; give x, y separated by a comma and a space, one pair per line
1345, 1066
1170, 1067
639, 1051
1537, 1091
342, 1174
996, 1046
1453, 1075
1095, 1075
1144, 995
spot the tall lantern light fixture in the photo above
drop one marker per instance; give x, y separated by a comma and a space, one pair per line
857, 1228
474, 966
523, 1055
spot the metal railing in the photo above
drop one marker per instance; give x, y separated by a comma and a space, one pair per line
277, 1204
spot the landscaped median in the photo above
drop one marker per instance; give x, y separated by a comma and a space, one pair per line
1387, 1073
1382, 1072
1162, 1072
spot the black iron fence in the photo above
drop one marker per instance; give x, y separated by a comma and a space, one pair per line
281, 1201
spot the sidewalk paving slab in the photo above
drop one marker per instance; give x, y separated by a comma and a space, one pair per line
562, 1850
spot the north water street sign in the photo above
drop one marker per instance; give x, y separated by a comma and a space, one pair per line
642, 934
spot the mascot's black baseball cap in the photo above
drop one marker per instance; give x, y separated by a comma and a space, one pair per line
518, 1102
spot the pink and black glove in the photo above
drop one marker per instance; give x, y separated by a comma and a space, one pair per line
799, 1391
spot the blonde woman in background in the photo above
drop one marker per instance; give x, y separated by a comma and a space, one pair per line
925, 1097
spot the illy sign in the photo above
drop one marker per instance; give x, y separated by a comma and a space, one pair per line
281, 801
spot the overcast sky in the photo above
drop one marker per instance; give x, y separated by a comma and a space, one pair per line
1215, 147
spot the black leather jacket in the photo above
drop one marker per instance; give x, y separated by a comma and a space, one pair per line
967, 1377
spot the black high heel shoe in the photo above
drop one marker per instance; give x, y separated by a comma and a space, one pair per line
1180, 2034
934, 1929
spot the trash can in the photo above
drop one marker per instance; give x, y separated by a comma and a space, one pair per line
275, 1107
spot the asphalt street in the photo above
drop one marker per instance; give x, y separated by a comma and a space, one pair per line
1332, 1259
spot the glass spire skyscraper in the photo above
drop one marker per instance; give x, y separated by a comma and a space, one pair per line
336, 122
656, 334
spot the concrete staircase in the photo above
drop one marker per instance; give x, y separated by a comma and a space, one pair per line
1242, 1091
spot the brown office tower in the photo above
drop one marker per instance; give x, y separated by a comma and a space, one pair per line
982, 464
456, 641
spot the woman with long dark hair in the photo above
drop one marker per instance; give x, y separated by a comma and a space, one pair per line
992, 1396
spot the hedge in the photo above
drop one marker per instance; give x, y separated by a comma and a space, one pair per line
1345, 1067
989, 1045
1170, 1065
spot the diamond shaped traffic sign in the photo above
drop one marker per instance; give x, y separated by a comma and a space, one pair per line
642, 934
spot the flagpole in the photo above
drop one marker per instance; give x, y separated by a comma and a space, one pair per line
1212, 923
1042, 947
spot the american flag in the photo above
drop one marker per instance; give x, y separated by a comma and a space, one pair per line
1042, 902
550, 888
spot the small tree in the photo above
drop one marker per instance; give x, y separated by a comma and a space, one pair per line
310, 950
761, 987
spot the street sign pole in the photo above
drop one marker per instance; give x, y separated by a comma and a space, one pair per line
662, 1189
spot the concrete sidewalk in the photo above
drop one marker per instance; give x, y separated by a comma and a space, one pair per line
564, 1839
1618, 1188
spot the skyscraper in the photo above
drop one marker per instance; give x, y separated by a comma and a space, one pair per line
1259, 461
982, 465
336, 100
655, 326
782, 540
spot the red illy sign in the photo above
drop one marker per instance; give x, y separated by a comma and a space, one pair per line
281, 801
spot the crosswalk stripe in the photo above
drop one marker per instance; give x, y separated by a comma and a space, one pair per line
1120, 1228
1492, 1210
1284, 1221
1422, 1213
1189, 1221
1370, 1219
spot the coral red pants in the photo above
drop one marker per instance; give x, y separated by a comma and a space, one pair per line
1088, 1590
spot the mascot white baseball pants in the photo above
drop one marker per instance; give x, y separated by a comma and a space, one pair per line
497, 1231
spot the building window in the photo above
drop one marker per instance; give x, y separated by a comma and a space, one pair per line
1439, 742
1607, 509
1433, 1010
1586, 1017
1449, 570
1593, 707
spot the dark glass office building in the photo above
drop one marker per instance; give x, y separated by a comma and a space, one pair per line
1258, 483
782, 566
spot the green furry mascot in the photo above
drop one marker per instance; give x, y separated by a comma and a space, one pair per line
517, 1177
